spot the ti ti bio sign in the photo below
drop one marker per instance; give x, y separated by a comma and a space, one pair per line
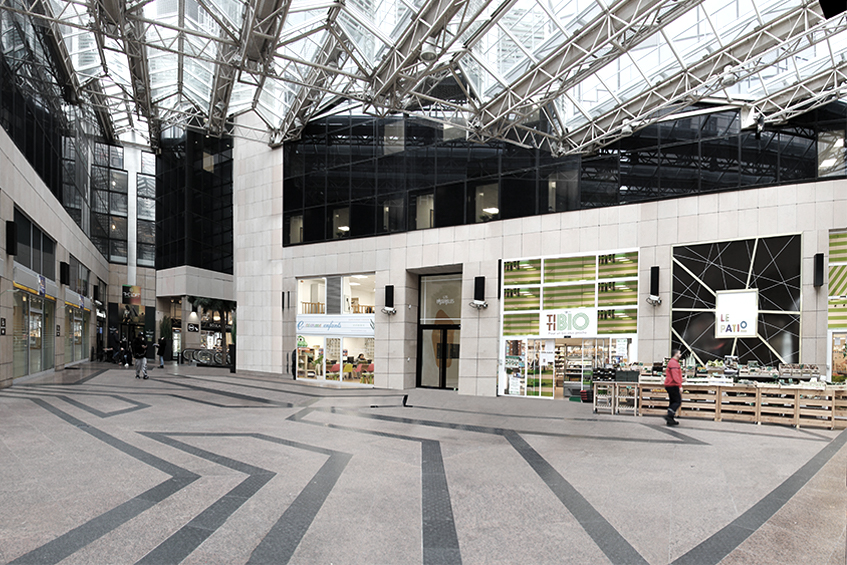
736, 313
131, 294
576, 322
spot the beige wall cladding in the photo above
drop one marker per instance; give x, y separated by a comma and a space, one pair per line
258, 270
653, 228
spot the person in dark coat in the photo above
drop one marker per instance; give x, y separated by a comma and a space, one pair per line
139, 352
161, 351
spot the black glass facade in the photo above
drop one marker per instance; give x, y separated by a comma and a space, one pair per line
194, 202
36, 110
355, 176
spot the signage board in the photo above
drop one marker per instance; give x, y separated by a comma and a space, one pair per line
131, 294
42, 286
736, 313
352, 325
574, 322
193, 327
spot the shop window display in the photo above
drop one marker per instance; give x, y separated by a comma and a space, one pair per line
564, 319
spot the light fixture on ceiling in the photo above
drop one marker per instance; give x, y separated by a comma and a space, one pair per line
343, 228
355, 284
428, 50
491, 210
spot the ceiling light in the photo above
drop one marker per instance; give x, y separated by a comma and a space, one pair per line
355, 284
491, 210
428, 50
360, 276
343, 228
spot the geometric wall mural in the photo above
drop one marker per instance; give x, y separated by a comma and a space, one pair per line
769, 264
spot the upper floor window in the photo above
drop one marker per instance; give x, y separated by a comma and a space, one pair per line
36, 250
349, 294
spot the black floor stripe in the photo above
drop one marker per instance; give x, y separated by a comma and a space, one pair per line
718, 546
285, 536
439, 537
69, 543
226, 394
280, 543
607, 538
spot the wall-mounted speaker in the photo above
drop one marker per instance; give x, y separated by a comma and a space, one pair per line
11, 238
479, 289
654, 281
832, 8
818, 269
64, 272
389, 296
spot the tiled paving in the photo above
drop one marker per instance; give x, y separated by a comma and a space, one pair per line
200, 466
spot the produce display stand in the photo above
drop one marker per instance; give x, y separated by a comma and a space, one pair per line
616, 397
793, 405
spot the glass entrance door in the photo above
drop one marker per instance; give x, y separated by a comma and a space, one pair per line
439, 357
438, 331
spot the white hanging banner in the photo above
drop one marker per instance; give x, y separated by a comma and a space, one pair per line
736, 313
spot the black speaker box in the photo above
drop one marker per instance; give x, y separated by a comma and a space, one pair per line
95, 292
654, 281
64, 273
832, 8
11, 238
479, 289
389, 296
818, 269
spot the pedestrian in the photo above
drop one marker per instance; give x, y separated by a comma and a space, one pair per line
125, 352
673, 384
139, 351
161, 346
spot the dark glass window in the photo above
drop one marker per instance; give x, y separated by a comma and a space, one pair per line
449, 205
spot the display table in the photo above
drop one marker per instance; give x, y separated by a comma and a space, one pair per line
794, 405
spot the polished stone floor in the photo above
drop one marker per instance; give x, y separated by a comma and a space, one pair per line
200, 466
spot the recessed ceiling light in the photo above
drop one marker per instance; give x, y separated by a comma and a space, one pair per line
491, 210
343, 228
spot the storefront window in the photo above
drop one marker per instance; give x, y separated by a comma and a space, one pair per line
441, 299
33, 336
310, 357
312, 296
358, 294
20, 335
566, 317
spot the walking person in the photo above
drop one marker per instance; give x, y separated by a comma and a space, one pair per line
673, 384
139, 351
161, 347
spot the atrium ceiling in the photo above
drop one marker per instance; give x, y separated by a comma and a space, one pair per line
569, 75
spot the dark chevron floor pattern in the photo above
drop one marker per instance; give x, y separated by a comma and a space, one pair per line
200, 466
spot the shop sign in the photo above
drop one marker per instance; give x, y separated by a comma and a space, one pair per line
301, 341
193, 327
131, 294
736, 313
575, 322
42, 286
355, 325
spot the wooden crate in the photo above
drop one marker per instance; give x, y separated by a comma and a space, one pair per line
779, 406
652, 400
699, 401
738, 403
839, 408
816, 408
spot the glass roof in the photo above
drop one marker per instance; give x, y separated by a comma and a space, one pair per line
572, 74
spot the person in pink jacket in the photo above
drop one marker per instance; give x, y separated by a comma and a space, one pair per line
673, 384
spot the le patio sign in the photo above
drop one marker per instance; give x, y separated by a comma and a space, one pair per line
736, 313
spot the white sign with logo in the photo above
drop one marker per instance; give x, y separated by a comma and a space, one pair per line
736, 313
576, 322
353, 325
621, 347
